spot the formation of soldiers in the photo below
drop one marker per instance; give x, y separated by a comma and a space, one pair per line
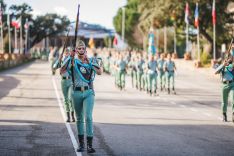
145, 70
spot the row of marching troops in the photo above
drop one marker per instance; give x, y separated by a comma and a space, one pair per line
146, 71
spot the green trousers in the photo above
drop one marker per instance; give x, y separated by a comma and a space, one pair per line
66, 89
226, 88
121, 78
144, 81
170, 79
133, 77
139, 79
152, 80
162, 78
83, 104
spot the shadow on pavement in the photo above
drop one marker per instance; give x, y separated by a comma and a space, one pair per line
166, 140
34, 138
7, 84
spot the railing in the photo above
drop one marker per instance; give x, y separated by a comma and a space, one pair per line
11, 60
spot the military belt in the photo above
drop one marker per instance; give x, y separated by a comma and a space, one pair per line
228, 82
66, 77
81, 88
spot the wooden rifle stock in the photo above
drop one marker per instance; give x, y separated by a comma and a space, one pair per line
64, 47
74, 45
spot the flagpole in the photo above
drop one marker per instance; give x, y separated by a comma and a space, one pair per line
15, 40
157, 42
2, 29
26, 37
214, 30
9, 31
165, 39
2, 37
21, 34
175, 39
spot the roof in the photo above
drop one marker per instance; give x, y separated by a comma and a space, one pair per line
90, 30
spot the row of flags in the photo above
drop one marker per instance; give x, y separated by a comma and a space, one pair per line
196, 22
15, 22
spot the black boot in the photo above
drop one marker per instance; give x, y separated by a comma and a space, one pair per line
150, 92
90, 148
73, 117
168, 90
224, 117
81, 143
68, 116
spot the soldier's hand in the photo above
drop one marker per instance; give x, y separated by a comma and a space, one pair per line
72, 53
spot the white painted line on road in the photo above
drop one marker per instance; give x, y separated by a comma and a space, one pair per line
71, 134
193, 109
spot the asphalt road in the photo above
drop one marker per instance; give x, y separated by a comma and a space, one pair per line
126, 122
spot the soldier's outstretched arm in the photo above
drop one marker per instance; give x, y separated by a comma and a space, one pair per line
219, 69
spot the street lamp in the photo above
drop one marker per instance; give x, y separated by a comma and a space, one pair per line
123, 23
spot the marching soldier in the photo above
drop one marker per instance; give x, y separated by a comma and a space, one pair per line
53, 57
83, 72
144, 78
121, 71
170, 76
140, 63
160, 63
226, 69
152, 75
66, 83
132, 67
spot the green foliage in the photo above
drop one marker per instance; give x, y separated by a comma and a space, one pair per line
205, 58
40, 27
131, 20
160, 13
47, 25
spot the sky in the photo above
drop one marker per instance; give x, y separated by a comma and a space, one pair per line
91, 11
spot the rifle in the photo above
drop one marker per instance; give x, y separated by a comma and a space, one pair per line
64, 47
74, 44
228, 51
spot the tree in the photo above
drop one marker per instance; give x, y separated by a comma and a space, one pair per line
159, 13
131, 20
47, 25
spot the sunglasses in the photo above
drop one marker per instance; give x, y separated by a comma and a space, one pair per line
81, 48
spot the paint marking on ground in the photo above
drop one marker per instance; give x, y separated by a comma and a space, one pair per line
69, 129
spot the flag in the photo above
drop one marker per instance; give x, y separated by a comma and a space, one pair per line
213, 13
1, 12
186, 19
196, 16
91, 43
26, 25
115, 41
15, 23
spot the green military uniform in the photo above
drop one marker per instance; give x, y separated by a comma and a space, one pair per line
107, 62
121, 64
66, 84
227, 86
139, 65
170, 74
144, 78
83, 100
152, 76
133, 72
161, 73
